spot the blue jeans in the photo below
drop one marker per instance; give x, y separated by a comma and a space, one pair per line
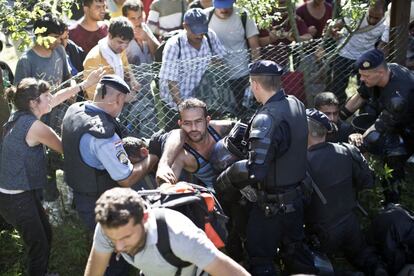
25, 212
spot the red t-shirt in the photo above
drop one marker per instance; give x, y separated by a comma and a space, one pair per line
147, 4
86, 39
319, 24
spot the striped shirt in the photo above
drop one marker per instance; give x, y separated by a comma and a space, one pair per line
186, 65
166, 15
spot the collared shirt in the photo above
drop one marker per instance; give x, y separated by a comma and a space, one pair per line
185, 64
105, 153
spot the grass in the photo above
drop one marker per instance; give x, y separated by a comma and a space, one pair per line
71, 244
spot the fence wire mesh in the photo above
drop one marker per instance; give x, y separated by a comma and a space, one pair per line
310, 67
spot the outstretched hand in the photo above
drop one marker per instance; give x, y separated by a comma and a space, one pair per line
356, 139
165, 175
94, 77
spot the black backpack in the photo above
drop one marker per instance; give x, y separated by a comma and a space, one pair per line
195, 202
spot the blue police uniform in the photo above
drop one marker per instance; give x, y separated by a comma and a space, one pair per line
333, 222
393, 105
94, 157
276, 168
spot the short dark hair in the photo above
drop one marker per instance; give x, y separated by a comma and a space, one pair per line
316, 129
132, 146
121, 27
117, 206
192, 103
50, 22
269, 83
132, 5
29, 89
325, 98
88, 3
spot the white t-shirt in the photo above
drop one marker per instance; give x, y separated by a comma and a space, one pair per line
362, 41
231, 33
188, 242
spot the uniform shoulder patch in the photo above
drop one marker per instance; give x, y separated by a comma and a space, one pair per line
122, 157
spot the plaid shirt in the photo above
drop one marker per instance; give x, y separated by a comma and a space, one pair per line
187, 70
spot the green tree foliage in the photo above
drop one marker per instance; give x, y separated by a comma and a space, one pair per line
17, 20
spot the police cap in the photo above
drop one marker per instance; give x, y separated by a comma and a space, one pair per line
319, 117
115, 82
370, 60
265, 67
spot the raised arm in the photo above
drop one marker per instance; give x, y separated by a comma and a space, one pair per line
64, 94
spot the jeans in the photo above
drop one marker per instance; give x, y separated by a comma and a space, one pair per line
25, 212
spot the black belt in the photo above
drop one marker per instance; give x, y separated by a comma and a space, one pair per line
279, 203
286, 197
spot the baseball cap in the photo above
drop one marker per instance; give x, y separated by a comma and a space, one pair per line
223, 4
197, 20
116, 82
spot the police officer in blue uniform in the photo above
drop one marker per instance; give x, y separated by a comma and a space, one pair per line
332, 220
275, 167
95, 159
386, 91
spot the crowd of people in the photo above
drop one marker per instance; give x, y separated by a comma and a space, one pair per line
287, 177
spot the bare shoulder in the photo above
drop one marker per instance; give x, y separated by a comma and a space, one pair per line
223, 127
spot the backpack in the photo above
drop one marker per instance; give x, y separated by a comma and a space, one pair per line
195, 202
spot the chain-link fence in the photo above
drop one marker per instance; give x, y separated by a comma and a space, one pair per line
310, 67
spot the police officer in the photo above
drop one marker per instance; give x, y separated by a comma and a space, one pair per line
95, 159
330, 216
275, 167
387, 92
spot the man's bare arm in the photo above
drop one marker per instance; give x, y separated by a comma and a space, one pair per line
223, 127
354, 103
97, 263
254, 46
173, 145
223, 265
140, 170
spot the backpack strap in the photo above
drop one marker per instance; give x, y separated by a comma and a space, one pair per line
179, 47
243, 17
209, 44
163, 243
210, 15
